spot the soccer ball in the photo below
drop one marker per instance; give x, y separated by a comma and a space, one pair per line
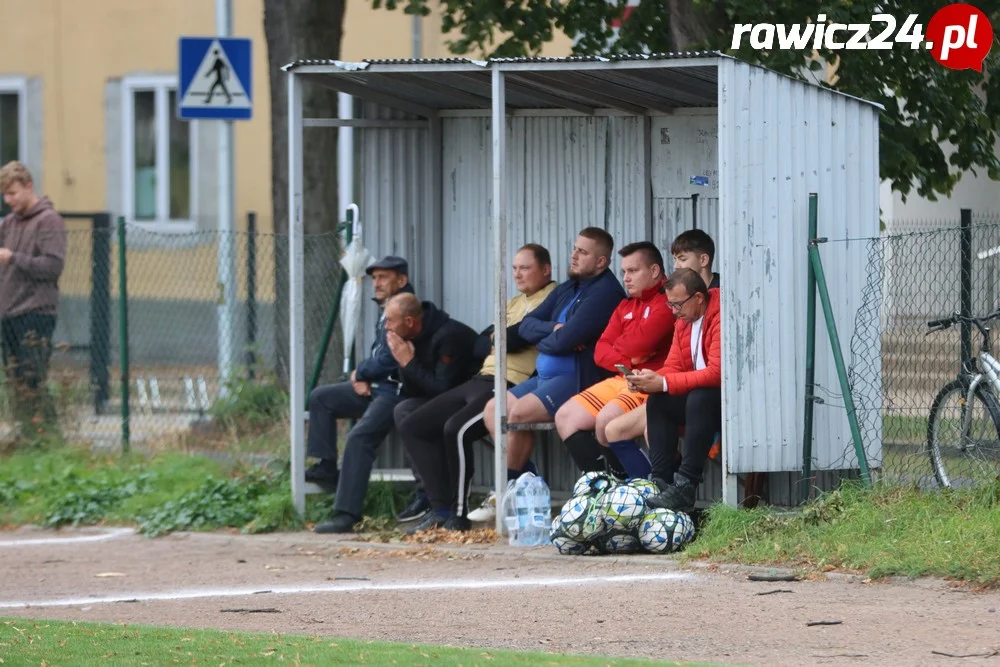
656, 531
565, 544
619, 542
595, 525
592, 483
570, 547
570, 520
623, 507
644, 487
683, 529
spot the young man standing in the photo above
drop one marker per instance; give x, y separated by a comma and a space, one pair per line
32, 256
638, 336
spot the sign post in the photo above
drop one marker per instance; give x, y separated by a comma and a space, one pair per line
216, 84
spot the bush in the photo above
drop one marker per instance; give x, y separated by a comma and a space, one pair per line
251, 405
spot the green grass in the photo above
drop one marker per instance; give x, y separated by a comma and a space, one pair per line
24, 641
889, 530
64, 485
904, 428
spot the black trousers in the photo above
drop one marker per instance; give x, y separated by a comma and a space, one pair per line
438, 437
27, 350
700, 413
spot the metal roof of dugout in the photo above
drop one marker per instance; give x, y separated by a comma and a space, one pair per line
772, 140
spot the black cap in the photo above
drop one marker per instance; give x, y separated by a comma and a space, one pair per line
390, 262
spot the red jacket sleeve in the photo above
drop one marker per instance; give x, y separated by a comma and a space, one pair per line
710, 376
605, 354
650, 335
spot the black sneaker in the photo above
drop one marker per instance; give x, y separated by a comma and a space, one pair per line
417, 508
458, 523
340, 522
434, 520
678, 496
324, 474
430, 522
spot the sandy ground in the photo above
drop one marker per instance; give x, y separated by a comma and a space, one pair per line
491, 596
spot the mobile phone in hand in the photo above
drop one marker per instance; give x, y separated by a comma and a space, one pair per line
625, 370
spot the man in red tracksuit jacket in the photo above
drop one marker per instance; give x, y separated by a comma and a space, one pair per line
687, 392
637, 336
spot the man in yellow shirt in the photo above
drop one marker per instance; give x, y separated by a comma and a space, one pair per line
438, 436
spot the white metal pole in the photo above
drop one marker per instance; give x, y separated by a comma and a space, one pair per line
226, 257
345, 154
499, 127
296, 299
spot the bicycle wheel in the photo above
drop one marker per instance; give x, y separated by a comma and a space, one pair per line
958, 453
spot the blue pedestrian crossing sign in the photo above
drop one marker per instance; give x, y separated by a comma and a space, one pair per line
215, 78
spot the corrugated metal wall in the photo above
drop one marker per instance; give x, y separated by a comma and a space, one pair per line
780, 140
394, 184
578, 172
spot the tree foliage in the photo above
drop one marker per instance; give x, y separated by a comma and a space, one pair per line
925, 103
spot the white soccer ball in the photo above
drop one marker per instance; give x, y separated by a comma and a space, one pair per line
683, 529
568, 546
570, 520
645, 487
592, 483
619, 542
656, 531
623, 507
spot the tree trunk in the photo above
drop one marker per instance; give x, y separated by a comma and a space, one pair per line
301, 29
691, 26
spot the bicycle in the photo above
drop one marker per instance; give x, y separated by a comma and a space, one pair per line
976, 390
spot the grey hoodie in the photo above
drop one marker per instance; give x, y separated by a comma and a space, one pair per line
30, 282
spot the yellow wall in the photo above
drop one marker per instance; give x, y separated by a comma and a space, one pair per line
76, 46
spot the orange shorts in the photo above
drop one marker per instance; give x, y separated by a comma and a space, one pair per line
613, 390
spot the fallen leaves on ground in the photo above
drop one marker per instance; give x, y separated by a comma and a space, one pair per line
442, 536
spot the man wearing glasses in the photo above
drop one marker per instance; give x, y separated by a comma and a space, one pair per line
686, 392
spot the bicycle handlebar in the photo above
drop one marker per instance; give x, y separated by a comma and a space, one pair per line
941, 325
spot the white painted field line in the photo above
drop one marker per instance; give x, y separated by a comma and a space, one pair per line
345, 588
109, 534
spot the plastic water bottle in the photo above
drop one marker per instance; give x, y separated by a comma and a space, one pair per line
541, 512
517, 510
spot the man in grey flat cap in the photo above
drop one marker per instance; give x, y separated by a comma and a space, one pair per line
370, 396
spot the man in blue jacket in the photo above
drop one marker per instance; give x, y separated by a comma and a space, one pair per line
370, 396
564, 328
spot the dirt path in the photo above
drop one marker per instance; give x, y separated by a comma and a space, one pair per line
489, 596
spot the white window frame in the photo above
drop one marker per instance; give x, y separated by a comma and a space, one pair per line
161, 86
19, 85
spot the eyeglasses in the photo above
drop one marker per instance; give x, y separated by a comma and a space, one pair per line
677, 306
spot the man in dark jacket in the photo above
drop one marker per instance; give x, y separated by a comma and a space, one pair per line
434, 353
370, 396
565, 328
32, 257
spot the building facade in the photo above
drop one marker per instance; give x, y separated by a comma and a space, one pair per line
88, 94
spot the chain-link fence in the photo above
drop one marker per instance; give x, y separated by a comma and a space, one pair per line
182, 327
917, 273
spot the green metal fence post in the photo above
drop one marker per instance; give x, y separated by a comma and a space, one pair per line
251, 294
807, 436
331, 319
838, 357
100, 310
123, 332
